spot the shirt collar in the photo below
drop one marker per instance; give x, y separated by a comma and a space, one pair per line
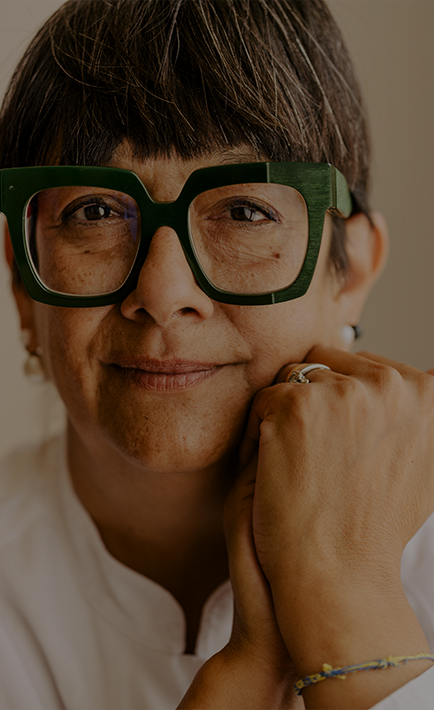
127, 600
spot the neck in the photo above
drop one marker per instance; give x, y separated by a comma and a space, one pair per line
166, 525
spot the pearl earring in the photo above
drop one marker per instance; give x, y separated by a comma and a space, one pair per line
33, 366
350, 333
34, 369
25, 337
347, 335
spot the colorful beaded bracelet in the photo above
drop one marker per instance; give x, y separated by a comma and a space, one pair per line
330, 672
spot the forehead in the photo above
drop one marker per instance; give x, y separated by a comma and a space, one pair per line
164, 177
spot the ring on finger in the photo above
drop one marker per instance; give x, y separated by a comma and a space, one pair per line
299, 376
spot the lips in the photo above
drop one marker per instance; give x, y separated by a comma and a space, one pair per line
166, 376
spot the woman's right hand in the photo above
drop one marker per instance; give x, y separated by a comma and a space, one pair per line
255, 633
254, 670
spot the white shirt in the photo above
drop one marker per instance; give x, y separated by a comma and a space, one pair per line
81, 631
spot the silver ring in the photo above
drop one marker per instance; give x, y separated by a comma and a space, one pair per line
300, 375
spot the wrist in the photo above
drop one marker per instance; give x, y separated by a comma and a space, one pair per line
349, 623
265, 672
238, 679
345, 618
362, 689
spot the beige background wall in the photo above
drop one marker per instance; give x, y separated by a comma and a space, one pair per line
391, 41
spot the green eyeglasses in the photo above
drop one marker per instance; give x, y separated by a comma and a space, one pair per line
251, 233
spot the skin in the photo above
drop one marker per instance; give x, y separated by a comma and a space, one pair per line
153, 466
115, 451
330, 535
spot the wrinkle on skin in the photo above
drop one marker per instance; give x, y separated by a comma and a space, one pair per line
153, 467
198, 426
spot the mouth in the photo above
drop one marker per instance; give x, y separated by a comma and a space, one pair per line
166, 376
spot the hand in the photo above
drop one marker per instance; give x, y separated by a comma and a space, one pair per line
254, 670
345, 477
255, 634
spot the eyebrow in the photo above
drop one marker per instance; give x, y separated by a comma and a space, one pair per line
232, 155
225, 156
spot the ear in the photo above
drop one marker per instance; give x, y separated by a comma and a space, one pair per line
367, 247
25, 303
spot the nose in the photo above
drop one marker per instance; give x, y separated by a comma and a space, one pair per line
166, 288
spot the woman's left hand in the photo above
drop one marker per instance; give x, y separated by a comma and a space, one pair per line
345, 477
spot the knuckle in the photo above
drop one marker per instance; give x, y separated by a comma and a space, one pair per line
269, 396
299, 398
427, 384
386, 377
285, 395
289, 408
425, 392
353, 386
351, 390
354, 400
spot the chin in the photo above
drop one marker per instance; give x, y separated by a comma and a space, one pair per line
172, 446
179, 434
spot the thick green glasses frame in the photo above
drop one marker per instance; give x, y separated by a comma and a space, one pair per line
322, 186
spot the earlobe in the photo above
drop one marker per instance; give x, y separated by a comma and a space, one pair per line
381, 242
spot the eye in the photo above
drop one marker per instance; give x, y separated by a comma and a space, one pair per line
90, 209
245, 210
243, 213
93, 212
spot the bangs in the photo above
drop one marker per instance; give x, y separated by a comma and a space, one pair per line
184, 76
190, 77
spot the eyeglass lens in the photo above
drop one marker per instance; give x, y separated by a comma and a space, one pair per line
82, 240
249, 238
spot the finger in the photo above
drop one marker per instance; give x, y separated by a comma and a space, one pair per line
339, 360
263, 403
239, 500
249, 445
430, 372
403, 369
284, 374
251, 590
355, 365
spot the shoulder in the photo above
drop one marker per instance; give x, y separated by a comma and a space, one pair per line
26, 476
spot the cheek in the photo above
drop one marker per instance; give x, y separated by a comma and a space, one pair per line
285, 332
68, 336
278, 335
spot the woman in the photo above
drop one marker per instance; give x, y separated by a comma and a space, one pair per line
170, 331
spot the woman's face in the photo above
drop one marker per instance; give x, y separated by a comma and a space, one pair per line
166, 378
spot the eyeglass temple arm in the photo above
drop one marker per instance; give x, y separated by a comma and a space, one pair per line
341, 195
